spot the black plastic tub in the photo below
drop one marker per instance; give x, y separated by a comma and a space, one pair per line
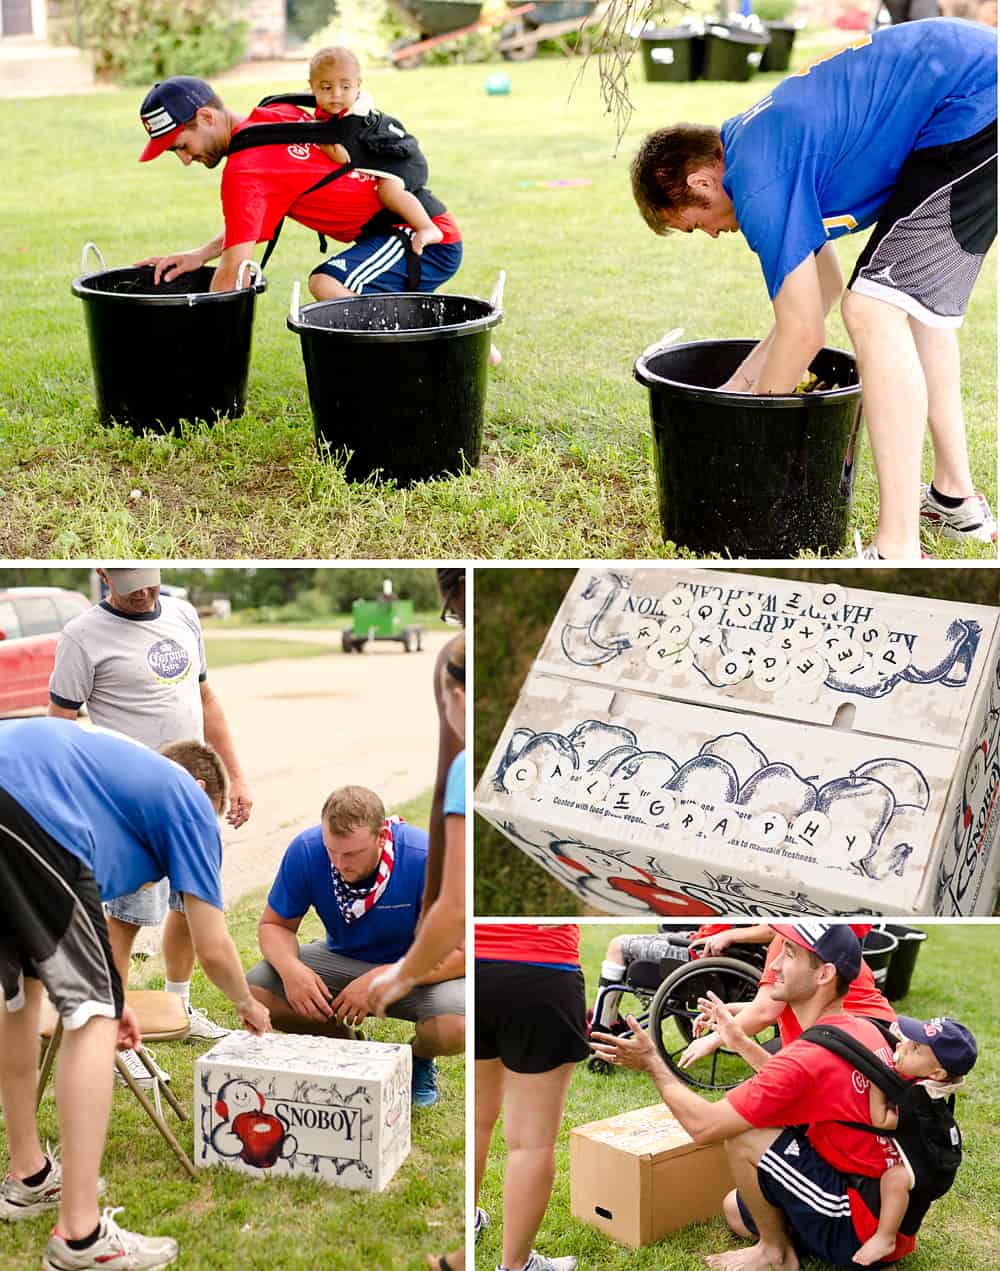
778, 53
165, 353
731, 53
671, 55
397, 383
904, 959
878, 948
746, 476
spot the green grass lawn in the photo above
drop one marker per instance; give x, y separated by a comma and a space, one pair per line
226, 1221
513, 612
955, 974
237, 652
566, 469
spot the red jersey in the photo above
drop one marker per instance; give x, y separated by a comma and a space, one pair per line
528, 942
805, 1085
264, 183
863, 997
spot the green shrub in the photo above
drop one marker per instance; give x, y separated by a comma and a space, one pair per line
140, 44
773, 10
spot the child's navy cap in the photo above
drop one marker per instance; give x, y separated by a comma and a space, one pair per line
170, 105
953, 1045
831, 942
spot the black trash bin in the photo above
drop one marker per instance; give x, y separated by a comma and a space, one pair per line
732, 53
904, 959
778, 52
167, 352
671, 54
398, 382
878, 947
763, 477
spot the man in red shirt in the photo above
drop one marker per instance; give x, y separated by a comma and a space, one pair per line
810, 1188
263, 184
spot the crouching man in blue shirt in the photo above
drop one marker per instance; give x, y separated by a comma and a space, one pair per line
363, 874
897, 130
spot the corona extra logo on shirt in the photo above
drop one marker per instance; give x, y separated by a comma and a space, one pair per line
300, 151
169, 661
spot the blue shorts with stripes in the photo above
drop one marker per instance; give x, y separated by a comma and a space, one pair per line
814, 1197
379, 264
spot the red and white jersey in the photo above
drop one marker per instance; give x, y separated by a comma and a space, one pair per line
804, 1084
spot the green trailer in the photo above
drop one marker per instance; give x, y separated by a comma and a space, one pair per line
384, 619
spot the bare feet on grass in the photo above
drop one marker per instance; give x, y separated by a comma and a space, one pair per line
759, 1257
874, 1250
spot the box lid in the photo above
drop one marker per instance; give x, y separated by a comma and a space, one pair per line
309, 1056
647, 1132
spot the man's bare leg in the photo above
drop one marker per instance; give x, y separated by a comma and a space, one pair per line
895, 403
439, 1035
323, 287
178, 947
84, 1081
19, 1047
773, 1250
937, 348
122, 937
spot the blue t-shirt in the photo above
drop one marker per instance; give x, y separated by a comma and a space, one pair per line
454, 789
130, 815
386, 931
819, 155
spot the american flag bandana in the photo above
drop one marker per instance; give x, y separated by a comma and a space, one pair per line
354, 902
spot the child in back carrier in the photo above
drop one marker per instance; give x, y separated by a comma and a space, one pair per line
937, 1055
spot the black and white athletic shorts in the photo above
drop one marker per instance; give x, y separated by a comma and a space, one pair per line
933, 232
52, 926
532, 1018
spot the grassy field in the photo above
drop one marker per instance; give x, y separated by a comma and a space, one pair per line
226, 1221
566, 469
513, 611
955, 974
238, 652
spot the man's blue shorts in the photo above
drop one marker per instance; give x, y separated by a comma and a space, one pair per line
379, 264
814, 1198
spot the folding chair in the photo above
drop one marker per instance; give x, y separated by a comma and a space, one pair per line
162, 1018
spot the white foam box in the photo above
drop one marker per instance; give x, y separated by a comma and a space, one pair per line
639, 1175
284, 1105
693, 742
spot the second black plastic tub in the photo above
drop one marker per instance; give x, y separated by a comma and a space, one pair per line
671, 54
169, 351
778, 53
397, 383
732, 53
878, 948
757, 477
904, 959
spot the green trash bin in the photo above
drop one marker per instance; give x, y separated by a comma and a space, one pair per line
778, 53
732, 53
671, 54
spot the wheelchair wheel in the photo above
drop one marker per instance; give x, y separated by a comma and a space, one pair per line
675, 1007
600, 1066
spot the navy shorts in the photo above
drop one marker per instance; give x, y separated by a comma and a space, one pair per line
814, 1198
379, 264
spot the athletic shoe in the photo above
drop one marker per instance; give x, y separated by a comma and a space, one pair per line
482, 1222
18, 1200
539, 1262
201, 1026
972, 519
138, 1069
114, 1247
616, 1029
424, 1088
871, 551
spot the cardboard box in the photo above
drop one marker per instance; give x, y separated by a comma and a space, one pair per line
281, 1105
694, 742
638, 1176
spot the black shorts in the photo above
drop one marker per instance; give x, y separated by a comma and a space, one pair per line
933, 232
52, 926
815, 1198
531, 1018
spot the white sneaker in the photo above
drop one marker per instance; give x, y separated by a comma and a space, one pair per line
201, 1026
18, 1201
138, 1069
114, 1247
482, 1221
971, 519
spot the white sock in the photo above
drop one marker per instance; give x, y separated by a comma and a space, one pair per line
183, 987
611, 973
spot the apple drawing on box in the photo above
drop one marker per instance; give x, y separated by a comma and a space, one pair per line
705, 778
651, 769
777, 787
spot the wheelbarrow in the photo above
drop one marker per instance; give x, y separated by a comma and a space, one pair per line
546, 20
437, 21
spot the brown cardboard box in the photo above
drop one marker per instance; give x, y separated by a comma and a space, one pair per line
638, 1176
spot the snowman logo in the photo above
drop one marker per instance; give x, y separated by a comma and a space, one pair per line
246, 1130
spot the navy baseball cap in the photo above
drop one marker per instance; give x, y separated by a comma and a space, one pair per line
831, 942
170, 105
953, 1045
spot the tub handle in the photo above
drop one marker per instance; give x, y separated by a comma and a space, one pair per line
247, 266
671, 337
496, 296
91, 247
293, 308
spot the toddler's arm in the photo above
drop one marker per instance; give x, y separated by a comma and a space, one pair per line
336, 154
883, 1115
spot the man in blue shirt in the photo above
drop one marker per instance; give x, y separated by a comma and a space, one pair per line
363, 874
86, 816
896, 130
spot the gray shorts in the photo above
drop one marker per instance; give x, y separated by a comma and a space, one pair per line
426, 1001
146, 907
653, 948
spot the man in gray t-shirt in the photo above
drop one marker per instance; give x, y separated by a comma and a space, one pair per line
137, 660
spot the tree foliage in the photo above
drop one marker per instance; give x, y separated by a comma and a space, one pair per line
142, 43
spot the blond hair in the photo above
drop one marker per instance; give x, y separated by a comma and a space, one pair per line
353, 807
329, 56
203, 763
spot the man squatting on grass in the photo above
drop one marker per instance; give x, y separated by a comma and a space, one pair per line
800, 1191
899, 130
84, 817
263, 184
